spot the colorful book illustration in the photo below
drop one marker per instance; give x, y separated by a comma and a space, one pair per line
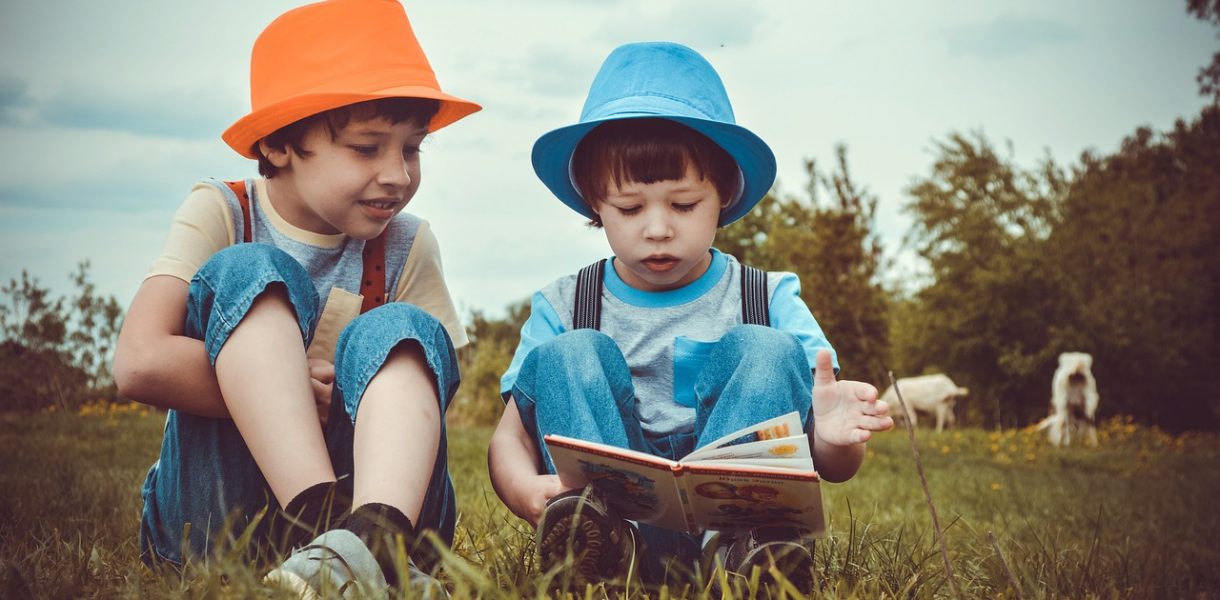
760, 475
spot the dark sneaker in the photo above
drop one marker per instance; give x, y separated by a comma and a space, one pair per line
335, 564
581, 540
772, 550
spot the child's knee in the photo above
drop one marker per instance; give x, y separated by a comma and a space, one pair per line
578, 351
765, 343
397, 335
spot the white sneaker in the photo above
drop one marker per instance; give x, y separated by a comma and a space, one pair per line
334, 564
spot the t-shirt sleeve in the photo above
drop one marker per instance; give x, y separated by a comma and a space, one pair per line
542, 325
422, 283
789, 313
201, 227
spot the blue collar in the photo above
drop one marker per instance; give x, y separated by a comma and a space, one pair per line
674, 297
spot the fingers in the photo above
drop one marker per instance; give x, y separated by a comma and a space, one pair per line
824, 372
881, 408
321, 396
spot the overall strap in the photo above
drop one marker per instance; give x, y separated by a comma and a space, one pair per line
754, 297
372, 284
243, 198
587, 313
373, 275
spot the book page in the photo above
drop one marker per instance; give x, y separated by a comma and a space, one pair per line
784, 426
728, 499
639, 486
791, 447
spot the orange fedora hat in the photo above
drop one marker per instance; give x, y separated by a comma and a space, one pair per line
334, 53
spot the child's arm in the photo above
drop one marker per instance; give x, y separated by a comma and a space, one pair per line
512, 460
154, 363
845, 415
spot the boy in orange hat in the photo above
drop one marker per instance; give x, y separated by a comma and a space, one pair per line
297, 326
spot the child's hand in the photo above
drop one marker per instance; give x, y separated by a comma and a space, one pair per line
533, 494
322, 377
845, 412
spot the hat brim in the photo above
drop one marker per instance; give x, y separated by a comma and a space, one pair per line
552, 156
247, 131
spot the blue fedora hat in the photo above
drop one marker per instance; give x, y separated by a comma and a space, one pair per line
667, 81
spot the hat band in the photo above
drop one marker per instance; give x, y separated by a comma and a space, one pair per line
651, 105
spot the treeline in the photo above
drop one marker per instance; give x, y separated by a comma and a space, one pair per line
56, 350
1117, 256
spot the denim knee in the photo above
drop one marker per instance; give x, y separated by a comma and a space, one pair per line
582, 359
765, 365
225, 287
367, 341
756, 344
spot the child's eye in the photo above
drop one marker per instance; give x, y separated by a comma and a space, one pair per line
685, 207
410, 150
364, 150
628, 211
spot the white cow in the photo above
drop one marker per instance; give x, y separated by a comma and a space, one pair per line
933, 394
1073, 400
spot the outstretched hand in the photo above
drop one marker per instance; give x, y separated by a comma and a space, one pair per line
845, 412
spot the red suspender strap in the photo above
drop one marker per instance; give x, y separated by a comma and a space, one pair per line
239, 189
372, 286
372, 279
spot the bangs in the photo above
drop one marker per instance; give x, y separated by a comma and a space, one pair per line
394, 110
647, 151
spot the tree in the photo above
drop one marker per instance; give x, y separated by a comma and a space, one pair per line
980, 222
827, 240
1139, 247
1209, 76
55, 351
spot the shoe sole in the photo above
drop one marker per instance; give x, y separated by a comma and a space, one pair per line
588, 534
792, 560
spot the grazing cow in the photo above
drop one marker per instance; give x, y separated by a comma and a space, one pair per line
933, 394
1073, 400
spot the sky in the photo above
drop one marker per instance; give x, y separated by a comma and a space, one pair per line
110, 111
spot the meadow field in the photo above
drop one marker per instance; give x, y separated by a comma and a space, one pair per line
1135, 517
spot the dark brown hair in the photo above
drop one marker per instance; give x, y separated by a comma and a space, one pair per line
395, 110
648, 151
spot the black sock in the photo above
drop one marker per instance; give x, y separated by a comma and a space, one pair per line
378, 524
312, 511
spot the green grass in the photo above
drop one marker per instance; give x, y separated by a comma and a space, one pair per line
1135, 517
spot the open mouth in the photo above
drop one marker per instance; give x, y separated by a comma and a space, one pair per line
379, 209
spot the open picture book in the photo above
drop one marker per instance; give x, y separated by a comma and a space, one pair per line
759, 475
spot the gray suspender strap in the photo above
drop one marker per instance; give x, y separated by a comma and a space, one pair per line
587, 313
754, 304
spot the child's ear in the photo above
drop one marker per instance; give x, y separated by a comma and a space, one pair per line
276, 156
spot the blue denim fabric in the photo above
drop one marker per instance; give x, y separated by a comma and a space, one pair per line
205, 474
578, 385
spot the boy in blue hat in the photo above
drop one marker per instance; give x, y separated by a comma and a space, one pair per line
669, 344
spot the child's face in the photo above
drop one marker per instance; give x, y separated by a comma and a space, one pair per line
660, 232
352, 184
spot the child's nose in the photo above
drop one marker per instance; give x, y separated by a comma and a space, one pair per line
658, 228
393, 171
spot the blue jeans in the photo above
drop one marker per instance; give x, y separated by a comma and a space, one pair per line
205, 488
578, 385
